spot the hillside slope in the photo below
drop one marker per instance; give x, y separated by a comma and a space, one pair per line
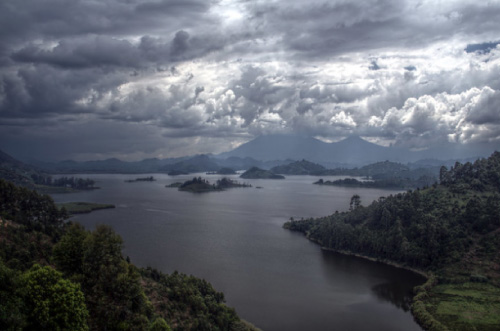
450, 230
58, 276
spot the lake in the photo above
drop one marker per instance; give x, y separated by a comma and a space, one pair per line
274, 278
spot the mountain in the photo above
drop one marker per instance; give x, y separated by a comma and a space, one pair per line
112, 165
198, 163
186, 164
355, 150
299, 168
280, 147
16, 171
257, 173
352, 151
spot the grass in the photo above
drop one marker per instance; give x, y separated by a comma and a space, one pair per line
466, 306
83, 207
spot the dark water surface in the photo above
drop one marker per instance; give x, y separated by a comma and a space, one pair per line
274, 278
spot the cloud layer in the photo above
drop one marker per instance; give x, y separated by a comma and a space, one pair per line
134, 79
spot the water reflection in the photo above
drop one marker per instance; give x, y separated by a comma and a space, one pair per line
274, 278
387, 283
395, 294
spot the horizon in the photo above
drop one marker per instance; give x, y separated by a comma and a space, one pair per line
480, 154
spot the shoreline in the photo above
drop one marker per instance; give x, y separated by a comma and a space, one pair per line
387, 262
391, 263
418, 310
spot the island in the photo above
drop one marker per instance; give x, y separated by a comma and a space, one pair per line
200, 185
257, 173
141, 179
82, 207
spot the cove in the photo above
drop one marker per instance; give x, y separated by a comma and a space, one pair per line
274, 278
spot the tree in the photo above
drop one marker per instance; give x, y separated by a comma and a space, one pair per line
11, 317
112, 287
51, 302
68, 252
355, 202
159, 325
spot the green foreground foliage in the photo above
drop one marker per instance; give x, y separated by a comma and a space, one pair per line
59, 276
451, 230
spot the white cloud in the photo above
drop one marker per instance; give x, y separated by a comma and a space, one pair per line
235, 69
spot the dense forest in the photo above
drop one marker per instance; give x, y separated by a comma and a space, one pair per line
55, 275
449, 230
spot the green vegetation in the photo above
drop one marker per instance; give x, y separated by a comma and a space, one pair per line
450, 230
466, 306
381, 174
83, 207
200, 185
58, 276
257, 173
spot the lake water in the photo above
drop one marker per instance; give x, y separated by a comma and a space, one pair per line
274, 278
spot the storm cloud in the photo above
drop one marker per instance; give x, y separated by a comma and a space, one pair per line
135, 79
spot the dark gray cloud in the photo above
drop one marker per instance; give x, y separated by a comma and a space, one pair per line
201, 76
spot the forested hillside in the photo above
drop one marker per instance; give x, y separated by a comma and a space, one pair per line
450, 230
58, 276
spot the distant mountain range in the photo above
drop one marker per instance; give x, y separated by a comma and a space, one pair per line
352, 151
192, 164
274, 150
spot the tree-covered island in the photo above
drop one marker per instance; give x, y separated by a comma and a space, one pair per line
141, 179
448, 231
200, 185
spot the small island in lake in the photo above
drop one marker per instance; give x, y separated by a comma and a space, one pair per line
257, 173
200, 185
83, 207
141, 179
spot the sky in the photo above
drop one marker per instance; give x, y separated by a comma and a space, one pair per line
94, 79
